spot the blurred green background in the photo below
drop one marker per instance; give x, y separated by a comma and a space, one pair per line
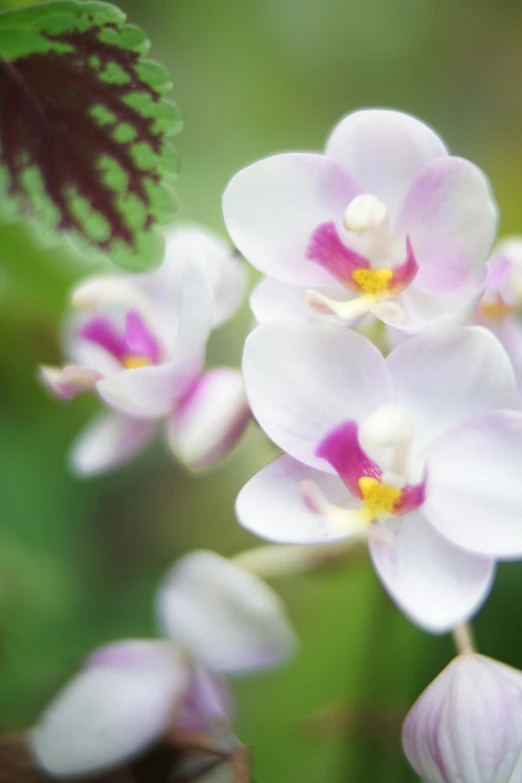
80, 560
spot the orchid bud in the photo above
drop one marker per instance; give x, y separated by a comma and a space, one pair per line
225, 616
467, 725
210, 421
115, 708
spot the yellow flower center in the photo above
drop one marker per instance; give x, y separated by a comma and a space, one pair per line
373, 281
379, 499
134, 360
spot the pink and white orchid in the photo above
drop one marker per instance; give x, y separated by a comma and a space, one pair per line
500, 308
416, 453
385, 222
217, 619
467, 725
142, 347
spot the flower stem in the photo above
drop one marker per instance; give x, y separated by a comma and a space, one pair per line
464, 640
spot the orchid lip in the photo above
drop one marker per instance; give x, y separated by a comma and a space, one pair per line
136, 347
374, 285
383, 492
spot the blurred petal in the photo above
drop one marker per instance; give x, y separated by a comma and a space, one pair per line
304, 377
189, 243
272, 300
271, 505
384, 152
109, 441
467, 725
448, 375
225, 616
69, 381
208, 701
451, 219
436, 584
112, 710
148, 392
272, 207
475, 487
210, 420
102, 291
196, 315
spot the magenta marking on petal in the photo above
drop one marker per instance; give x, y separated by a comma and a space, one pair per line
341, 448
327, 250
412, 496
139, 340
102, 332
404, 273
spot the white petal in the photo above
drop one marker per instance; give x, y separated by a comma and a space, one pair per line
423, 311
111, 711
212, 418
474, 489
448, 375
303, 378
467, 725
272, 207
105, 291
451, 219
436, 584
109, 441
272, 300
191, 243
196, 315
69, 381
271, 504
149, 392
384, 152
227, 617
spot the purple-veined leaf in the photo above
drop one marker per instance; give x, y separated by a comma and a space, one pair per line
85, 129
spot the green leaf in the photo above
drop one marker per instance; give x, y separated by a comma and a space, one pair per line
85, 129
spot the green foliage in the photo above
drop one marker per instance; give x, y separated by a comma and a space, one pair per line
85, 129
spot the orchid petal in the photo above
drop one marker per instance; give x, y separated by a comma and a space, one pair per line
149, 392
69, 381
384, 152
475, 491
272, 506
109, 441
451, 218
272, 300
422, 311
436, 584
225, 616
111, 711
190, 243
210, 420
304, 377
448, 375
272, 208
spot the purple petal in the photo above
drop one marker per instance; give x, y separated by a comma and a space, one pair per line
102, 332
342, 450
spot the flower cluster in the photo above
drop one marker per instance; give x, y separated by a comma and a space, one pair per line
418, 452
414, 451
140, 342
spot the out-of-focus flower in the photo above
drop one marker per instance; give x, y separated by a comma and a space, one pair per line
217, 618
142, 346
385, 222
500, 309
467, 725
412, 453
